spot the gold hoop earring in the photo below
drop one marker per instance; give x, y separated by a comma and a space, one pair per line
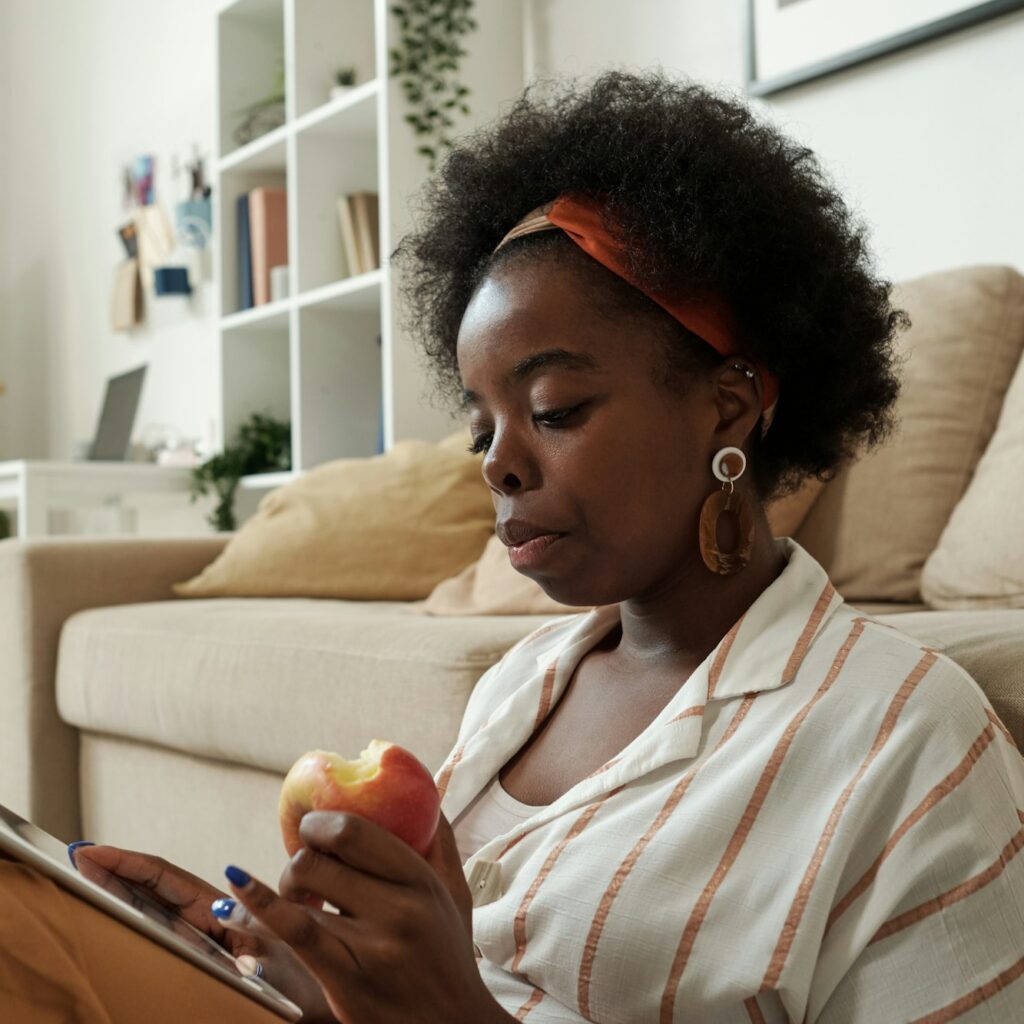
738, 517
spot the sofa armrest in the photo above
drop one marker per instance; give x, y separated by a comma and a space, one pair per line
42, 584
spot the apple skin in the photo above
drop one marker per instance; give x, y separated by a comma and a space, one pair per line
400, 795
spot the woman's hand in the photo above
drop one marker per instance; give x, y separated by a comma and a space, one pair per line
400, 947
234, 928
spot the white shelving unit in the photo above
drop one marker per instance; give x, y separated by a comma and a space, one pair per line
314, 357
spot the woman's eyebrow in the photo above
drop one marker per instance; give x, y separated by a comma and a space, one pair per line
560, 357
551, 357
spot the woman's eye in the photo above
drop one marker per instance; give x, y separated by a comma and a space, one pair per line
480, 444
551, 418
556, 415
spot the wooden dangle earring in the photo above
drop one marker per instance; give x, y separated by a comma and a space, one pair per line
726, 518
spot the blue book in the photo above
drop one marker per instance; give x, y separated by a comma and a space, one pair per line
244, 253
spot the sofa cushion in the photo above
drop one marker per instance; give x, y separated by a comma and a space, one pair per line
877, 522
989, 645
385, 528
259, 681
979, 560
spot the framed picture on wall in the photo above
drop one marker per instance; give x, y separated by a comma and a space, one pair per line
794, 41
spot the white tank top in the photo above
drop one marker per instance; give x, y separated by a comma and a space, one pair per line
491, 813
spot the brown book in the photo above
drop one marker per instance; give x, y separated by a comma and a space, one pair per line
366, 215
268, 237
347, 226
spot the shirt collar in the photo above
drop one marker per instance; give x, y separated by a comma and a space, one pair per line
762, 651
765, 646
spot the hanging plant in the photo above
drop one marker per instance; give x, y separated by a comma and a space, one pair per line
262, 444
427, 60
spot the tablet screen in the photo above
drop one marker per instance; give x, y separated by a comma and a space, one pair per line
21, 838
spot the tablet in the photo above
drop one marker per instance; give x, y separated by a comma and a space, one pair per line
135, 907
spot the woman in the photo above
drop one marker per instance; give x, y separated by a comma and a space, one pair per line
722, 794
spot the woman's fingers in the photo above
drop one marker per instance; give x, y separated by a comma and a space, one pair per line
363, 845
236, 917
313, 935
443, 856
172, 884
311, 877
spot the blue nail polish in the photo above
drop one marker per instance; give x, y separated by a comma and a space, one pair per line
236, 876
74, 846
222, 908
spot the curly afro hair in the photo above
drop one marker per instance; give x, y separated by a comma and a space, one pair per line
704, 197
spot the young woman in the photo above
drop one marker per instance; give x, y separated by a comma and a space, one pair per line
722, 794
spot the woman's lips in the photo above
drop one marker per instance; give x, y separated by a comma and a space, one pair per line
532, 552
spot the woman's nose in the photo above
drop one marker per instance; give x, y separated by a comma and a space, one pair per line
509, 466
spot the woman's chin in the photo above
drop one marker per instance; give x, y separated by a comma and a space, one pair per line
573, 593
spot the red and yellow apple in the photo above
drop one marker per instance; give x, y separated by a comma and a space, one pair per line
386, 784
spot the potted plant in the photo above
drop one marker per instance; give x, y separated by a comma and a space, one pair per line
261, 445
428, 49
344, 81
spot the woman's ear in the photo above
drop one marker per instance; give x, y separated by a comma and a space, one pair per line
738, 402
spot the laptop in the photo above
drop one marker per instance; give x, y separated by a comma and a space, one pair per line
117, 418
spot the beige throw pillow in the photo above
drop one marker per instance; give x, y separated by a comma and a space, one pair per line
384, 528
877, 522
979, 561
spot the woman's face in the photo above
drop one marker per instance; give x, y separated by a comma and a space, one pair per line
582, 442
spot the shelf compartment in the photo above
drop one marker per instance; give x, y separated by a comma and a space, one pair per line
330, 163
250, 44
330, 35
352, 114
255, 376
354, 294
233, 184
271, 316
340, 382
267, 153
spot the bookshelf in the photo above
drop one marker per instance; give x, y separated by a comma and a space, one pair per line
314, 357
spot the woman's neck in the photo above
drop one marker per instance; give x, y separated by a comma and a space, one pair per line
677, 625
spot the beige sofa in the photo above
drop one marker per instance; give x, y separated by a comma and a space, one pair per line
131, 717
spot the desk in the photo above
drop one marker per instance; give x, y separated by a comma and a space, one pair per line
38, 490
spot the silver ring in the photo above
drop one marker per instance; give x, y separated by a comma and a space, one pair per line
259, 969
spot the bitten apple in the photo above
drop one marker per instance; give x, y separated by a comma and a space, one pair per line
386, 784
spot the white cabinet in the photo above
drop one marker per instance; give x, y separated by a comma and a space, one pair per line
331, 357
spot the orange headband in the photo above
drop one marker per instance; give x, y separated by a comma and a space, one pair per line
579, 216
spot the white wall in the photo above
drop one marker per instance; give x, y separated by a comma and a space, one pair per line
927, 145
87, 87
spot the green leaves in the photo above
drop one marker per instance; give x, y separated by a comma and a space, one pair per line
261, 444
430, 48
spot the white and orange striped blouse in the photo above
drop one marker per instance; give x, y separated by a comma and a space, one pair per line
824, 824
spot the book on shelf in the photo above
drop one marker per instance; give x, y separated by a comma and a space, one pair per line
244, 260
358, 221
268, 235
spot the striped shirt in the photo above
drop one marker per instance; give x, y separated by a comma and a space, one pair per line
823, 824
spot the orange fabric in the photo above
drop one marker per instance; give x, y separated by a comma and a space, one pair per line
62, 960
579, 216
